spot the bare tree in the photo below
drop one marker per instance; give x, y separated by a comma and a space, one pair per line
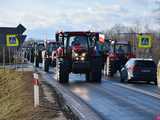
157, 11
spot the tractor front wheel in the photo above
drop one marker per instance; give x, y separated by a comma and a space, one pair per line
62, 73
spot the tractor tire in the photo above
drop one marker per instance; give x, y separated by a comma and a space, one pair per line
109, 68
87, 75
36, 62
32, 59
62, 73
46, 65
155, 82
95, 74
54, 63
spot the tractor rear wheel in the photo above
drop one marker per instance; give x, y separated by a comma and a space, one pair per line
87, 75
46, 65
36, 62
96, 70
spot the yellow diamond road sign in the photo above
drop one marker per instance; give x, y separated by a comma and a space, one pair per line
144, 41
12, 40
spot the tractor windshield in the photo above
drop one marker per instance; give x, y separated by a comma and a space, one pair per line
51, 47
41, 46
81, 41
122, 48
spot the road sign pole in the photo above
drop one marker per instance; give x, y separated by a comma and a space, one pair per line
158, 75
4, 58
15, 58
135, 43
9, 52
22, 59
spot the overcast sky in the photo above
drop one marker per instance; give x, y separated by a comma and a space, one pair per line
44, 17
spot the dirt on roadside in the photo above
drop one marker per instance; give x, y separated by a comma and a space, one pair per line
16, 99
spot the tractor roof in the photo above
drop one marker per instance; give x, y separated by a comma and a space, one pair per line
51, 41
72, 33
122, 42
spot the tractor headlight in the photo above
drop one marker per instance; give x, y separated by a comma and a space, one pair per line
82, 58
76, 54
83, 54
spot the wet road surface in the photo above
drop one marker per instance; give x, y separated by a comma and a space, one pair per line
115, 101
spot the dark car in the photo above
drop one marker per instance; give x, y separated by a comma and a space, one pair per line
138, 69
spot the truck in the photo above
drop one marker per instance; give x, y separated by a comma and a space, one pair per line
78, 54
119, 53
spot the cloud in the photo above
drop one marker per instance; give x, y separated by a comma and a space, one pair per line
93, 17
99, 14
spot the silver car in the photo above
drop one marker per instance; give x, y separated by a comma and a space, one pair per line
139, 69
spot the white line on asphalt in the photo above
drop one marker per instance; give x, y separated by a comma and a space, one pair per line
78, 111
139, 90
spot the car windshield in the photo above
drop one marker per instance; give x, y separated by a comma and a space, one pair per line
142, 63
78, 40
122, 48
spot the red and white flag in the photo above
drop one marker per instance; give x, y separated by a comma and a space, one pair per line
101, 38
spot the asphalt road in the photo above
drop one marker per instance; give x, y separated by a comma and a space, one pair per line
116, 101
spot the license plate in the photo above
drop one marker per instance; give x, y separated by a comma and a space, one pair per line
146, 70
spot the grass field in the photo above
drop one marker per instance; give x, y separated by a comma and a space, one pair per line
16, 98
14, 95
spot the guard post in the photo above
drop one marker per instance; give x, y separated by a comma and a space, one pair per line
158, 74
35, 82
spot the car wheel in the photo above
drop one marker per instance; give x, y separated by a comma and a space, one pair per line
122, 79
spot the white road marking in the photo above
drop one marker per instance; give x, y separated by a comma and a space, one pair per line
139, 90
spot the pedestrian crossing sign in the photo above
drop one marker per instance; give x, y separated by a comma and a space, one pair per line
144, 41
12, 40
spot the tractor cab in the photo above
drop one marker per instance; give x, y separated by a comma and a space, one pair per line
120, 52
48, 54
51, 46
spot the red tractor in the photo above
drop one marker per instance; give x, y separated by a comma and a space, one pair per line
120, 52
77, 54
